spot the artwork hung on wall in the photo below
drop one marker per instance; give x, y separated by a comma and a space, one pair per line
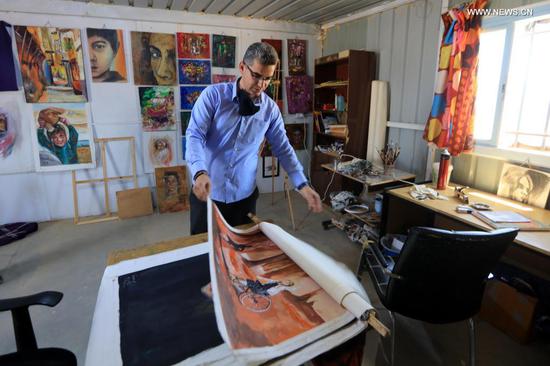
51, 64
194, 71
8, 80
159, 150
270, 167
185, 116
299, 90
172, 191
277, 96
157, 108
64, 138
183, 146
106, 53
189, 95
154, 58
15, 145
296, 134
297, 62
193, 45
223, 51
266, 149
222, 78
525, 185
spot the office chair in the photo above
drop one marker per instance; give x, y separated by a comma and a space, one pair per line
439, 276
28, 352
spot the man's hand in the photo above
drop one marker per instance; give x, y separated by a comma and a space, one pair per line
201, 188
312, 198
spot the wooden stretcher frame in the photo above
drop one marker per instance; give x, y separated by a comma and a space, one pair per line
108, 215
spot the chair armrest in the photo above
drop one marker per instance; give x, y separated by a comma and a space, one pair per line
48, 298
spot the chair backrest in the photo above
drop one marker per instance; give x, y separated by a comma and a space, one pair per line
441, 274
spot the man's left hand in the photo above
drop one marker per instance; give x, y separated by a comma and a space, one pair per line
312, 198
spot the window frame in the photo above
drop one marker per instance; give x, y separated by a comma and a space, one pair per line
494, 23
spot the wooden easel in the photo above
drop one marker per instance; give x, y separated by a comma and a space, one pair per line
108, 215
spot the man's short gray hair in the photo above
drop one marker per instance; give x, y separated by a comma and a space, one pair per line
261, 51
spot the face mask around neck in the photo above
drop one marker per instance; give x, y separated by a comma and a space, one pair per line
246, 105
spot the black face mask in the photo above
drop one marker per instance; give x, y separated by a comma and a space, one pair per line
246, 105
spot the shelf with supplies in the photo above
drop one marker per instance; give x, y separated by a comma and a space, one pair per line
341, 97
332, 84
382, 179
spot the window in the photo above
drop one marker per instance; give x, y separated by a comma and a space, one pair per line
513, 99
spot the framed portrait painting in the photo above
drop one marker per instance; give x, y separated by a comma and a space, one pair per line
524, 185
270, 166
154, 58
63, 137
172, 191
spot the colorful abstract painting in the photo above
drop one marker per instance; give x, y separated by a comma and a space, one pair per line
299, 90
222, 78
189, 95
193, 45
297, 61
172, 191
223, 51
154, 58
64, 138
183, 146
185, 116
157, 108
296, 134
194, 71
275, 88
51, 64
106, 53
159, 150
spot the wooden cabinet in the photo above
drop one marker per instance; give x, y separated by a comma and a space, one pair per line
347, 74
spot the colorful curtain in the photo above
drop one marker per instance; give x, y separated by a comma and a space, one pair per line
451, 121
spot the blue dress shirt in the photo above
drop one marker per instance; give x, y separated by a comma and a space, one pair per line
226, 144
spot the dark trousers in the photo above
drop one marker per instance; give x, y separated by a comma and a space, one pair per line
235, 213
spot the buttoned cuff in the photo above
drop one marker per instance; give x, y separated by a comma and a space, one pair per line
197, 167
297, 178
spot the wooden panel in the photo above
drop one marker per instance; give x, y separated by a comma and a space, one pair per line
134, 203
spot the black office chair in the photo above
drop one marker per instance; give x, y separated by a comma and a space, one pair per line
439, 276
28, 353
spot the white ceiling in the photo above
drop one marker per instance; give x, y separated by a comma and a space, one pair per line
302, 11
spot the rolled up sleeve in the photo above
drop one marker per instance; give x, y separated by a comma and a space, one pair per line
199, 123
276, 136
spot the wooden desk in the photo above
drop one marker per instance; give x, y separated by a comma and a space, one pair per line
531, 253
377, 182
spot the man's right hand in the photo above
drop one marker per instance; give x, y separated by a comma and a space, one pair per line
201, 188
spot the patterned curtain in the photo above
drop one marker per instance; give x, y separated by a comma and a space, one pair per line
451, 121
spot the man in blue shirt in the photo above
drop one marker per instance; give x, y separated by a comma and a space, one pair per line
228, 124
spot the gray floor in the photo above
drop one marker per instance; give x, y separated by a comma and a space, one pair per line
71, 259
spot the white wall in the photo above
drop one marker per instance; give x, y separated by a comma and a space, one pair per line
114, 107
